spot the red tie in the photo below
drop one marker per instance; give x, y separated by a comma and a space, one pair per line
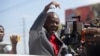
54, 43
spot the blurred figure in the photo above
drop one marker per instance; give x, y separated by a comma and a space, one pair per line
92, 45
43, 36
7, 48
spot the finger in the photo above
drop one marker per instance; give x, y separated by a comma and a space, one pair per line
56, 4
47, 7
14, 38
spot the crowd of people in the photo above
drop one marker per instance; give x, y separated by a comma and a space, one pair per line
44, 37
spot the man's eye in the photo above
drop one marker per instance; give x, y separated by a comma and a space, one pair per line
1, 32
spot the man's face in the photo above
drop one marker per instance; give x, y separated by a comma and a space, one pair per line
1, 33
52, 23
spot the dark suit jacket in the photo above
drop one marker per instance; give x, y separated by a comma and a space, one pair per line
38, 38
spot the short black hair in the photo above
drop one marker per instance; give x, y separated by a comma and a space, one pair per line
49, 13
2, 27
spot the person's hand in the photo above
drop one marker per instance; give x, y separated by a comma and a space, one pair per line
47, 7
13, 39
92, 30
57, 5
95, 32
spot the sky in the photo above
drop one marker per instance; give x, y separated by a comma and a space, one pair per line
17, 16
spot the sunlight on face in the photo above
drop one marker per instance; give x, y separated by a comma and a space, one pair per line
55, 16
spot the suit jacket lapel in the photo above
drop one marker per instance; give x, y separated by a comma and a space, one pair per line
48, 37
58, 37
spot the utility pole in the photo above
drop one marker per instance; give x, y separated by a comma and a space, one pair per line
24, 36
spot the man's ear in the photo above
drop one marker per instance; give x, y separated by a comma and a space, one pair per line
60, 27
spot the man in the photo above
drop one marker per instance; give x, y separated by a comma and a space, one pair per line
42, 31
7, 48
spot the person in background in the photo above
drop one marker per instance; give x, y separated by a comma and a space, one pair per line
92, 46
43, 36
7, 48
